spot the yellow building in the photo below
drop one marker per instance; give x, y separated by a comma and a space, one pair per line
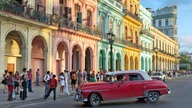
166, 57
131, 34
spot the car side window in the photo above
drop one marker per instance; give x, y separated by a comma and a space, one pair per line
135, 77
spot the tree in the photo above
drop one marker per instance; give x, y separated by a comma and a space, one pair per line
185, 62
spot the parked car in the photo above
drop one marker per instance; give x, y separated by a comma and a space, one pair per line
122, 84
159, 76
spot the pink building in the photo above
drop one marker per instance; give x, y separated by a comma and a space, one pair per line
75, 45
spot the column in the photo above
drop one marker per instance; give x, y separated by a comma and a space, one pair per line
2, 49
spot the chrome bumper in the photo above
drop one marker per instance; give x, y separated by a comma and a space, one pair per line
169, 90
79, 97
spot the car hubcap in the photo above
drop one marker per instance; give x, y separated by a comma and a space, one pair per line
95, 99
153, 96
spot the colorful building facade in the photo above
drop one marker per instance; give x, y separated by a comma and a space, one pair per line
166, 57
54, 35
132, 24
146, 39
110, 17
75, 42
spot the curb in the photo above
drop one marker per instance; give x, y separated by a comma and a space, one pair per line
26, 102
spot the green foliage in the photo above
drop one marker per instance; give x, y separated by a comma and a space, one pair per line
186, 61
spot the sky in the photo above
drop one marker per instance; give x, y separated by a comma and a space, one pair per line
184, 20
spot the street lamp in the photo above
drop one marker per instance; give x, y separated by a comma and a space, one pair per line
110, 37
175, 55
156, 51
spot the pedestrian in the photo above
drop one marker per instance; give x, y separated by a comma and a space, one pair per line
149, 72
101, 75
37, 77
30, 80
62, 83
25, 76
84, 76
89, 76
66, 82
53, 86
10, 83
16, 81
74, 80
4, 81
98, 76
93, 77
46, 81
79, 76
23, 87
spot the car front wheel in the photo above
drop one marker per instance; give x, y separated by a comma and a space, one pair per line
94, 100
153, 97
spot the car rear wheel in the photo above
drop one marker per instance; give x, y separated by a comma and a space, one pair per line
153, 97
94, 100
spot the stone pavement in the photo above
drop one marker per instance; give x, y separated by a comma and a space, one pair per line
35, 97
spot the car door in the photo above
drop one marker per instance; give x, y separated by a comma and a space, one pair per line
136, 85
118, 88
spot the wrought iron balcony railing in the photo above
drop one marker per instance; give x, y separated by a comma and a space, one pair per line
26, 12
146, 32
79, 27
135, 16
146, 49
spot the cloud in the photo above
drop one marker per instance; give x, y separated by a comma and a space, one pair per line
185, 43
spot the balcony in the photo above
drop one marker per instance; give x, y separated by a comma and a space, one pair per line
115, 4
146, 49
145, 32
42, 17
79, 27
125, 42
25, 12
134, 16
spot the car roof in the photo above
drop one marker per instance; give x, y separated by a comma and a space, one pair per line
142, 72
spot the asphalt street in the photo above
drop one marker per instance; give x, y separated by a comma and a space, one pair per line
180, 97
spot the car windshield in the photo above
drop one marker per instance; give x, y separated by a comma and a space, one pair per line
156, 74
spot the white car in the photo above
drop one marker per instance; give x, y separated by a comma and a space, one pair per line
159, 76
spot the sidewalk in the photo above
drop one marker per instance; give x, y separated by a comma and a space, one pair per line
35, 97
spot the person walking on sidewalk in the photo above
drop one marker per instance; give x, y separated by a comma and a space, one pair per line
16, 81
53, 86
46, 81
25, 75
23, 87
30, 81
66, 82
10, 83
79, 77
37, 77
62, 83
4, 81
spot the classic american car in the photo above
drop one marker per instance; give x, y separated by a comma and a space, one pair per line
159, 76
122, 84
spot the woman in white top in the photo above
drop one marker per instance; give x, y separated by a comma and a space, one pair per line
66, 82
62, 83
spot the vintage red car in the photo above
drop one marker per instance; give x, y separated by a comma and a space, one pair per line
122, 84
